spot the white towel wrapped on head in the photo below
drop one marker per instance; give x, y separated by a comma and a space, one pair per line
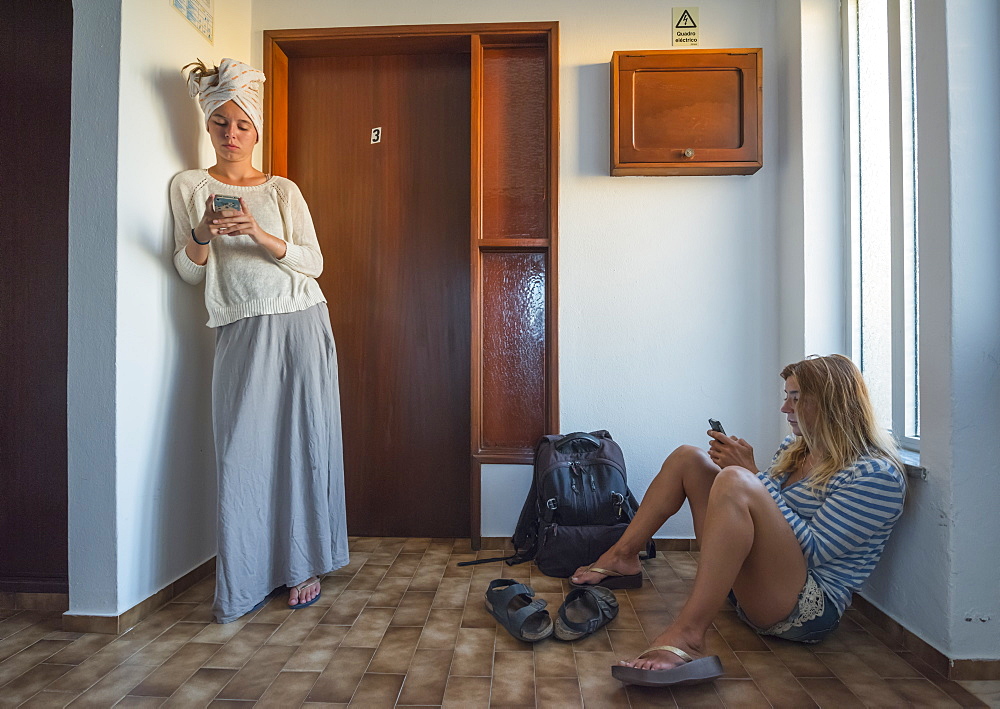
234, 81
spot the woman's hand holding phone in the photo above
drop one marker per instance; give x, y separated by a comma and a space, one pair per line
729, 450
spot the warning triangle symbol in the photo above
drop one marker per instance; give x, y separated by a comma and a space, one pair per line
685, 21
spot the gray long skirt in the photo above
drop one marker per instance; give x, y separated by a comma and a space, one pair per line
279, 453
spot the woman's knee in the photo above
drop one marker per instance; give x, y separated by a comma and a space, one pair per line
735, 483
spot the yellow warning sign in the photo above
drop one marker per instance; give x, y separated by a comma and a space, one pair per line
685, 28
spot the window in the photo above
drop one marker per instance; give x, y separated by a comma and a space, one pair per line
882, 159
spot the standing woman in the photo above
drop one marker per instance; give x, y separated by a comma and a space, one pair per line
275, 394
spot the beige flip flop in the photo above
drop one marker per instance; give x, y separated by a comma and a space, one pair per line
612, 579
693, 671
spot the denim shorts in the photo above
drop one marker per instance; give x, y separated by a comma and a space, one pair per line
814, 617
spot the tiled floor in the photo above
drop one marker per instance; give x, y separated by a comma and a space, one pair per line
404, 626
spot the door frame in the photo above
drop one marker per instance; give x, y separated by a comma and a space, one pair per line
279, 45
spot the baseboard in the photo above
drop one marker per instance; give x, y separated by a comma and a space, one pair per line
18, 601
897, 638
118, 624
503, 544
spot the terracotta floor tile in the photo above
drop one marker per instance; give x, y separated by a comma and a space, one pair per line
426, 678
800, 659
30, 681
235, 653
113, 686
427, 577
554, 659
650, 697
200, 688
95, 668
132, 702
289, 689
395, 651
297, 626
775, 680
441, 630
389, 593
599, 641
716, 645
47, 699
257, 674
368, 577
405, 565
467, 692
627, 643
368, 629
598, 687
474, 649
558, 693
341, 677
80, 649
347, 608
830, 692
413, 608
170, 641
513, 679
221, 632
39, 651
737, 633
169, 676
429, 642
451, 593
742, 693
861, 679
315, 653
885, 662
700, 695
377, 691
922, 693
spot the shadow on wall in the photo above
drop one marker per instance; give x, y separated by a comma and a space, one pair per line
179, 488
594, 81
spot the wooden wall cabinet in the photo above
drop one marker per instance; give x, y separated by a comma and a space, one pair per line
686, 112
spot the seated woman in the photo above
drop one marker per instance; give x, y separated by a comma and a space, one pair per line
790, 545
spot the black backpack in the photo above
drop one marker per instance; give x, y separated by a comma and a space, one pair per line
578, 506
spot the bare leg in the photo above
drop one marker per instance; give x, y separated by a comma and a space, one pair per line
686, 474
746, 546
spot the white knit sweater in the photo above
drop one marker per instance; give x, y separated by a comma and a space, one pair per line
242, 279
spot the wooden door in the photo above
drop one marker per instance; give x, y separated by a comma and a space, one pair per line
440, 250
392, 218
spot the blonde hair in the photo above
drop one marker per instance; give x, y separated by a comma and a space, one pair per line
842, 425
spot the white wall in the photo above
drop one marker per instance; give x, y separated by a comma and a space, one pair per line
142, 485
940, 576
679, 273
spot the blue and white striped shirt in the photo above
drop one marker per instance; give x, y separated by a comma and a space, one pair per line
842, 531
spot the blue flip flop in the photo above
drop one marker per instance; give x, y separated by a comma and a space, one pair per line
274, 592
305, 584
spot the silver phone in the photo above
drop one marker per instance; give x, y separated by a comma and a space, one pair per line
222, 202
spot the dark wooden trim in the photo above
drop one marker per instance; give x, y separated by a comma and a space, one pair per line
552, 314
275, 137
475, 278
504, 456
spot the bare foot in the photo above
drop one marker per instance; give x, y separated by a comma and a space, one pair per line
304, 592
690, 643
627, 566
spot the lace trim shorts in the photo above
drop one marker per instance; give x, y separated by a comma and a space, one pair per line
814, 617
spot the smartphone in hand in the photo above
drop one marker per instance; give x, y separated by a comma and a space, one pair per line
222, 202
716, 426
